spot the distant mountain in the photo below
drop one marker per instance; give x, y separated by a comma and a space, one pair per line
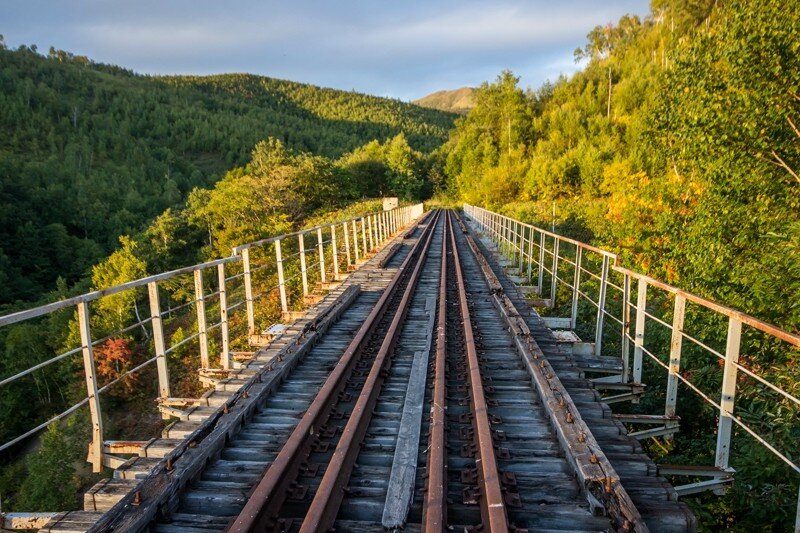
455, 101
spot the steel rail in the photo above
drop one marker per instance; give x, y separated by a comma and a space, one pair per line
493, 507
324, 507
434, 510
268, 495
593, 470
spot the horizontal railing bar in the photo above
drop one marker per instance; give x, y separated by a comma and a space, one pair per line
119, 332
767, 383
45, 424
268, 240
237, 304
647, 314
35, 312
126, 374
177, 308
702, 344
181, 343
752, 321
612, 317
40, 365
769, 446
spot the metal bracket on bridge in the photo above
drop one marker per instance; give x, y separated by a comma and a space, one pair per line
669, 425
721, 478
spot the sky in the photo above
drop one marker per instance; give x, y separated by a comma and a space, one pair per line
401, 49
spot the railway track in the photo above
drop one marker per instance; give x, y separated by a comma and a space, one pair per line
425, 404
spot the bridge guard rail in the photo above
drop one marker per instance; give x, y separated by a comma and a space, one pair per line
569, 273
304, 266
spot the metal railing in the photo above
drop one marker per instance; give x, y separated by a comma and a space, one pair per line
249, 274
591, 274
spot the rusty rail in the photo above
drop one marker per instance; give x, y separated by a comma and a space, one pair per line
327, 500
267, 497
434, 510
493, 507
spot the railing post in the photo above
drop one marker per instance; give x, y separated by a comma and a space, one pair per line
638, 340
96, 446
601, 308
626, 324
540, 281
355, 239
364, 237
675, 356
732, 348
521, 247
554, 280
506, 235
200, 307
347, 245
248, 292
321, 251
225, 356
335, 253
158, 340
303, 272
281, 280
530, 254
371, 241
576, 283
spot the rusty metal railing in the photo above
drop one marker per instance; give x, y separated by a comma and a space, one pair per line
547, 262
321, 254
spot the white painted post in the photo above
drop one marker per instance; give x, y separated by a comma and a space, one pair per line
601, 308
303, 272
225, 356
364, 237
96, 446
626, 324
281, 280
200, 307
521, 246
554, 280
732, 349
371, 231
321, 252
530, 254
641, 306
540, 281
675, 355
507, 235
348, 255
335, 253
355, 239
158, 340
248, 292
576, 283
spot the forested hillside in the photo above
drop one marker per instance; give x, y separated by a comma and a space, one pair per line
90, 152
276, 191
678, 146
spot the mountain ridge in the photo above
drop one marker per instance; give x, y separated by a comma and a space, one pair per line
459, 100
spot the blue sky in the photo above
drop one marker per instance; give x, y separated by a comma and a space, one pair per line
398, 49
